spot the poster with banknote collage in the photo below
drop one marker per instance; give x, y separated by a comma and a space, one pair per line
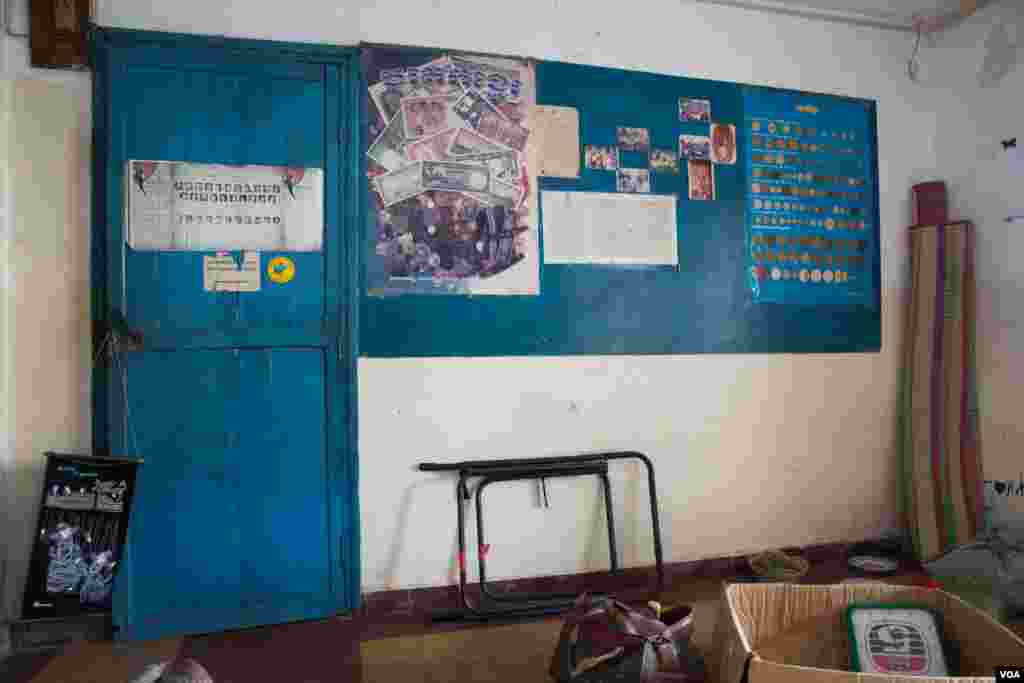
452, 198
811, 206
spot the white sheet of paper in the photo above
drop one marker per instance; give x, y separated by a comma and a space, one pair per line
222, 274
179, 206
609, 228
555, 141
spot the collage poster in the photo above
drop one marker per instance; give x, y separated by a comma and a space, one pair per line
452, 195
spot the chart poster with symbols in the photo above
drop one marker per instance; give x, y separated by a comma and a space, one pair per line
811, 206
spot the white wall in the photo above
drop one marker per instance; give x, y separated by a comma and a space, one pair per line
751, 451
6, 459
983, 191
44, 289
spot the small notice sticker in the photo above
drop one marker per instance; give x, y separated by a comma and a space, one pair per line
281, 269
222, 274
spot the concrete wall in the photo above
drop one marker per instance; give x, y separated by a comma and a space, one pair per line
751, 451
984, 191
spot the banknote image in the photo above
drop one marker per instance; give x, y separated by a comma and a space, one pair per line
504, 166
455, 177
427, 115
387, 149
481, 116
468, 142
388, 98
508, 192
401, 184
431, 148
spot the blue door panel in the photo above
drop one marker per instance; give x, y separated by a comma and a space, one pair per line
167, 303
184, 549
218, 118
282, 450
231, 520
238, 400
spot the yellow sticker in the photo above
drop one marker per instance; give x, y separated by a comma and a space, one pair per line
281, 269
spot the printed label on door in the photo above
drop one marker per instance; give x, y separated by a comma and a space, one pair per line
222, 274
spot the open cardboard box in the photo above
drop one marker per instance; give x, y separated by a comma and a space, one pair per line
780, 632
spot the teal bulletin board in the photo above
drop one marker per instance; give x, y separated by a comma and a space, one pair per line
783, 258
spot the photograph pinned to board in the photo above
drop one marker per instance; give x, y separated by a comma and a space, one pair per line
701, 179
664, 160
610, 229
432, 147
633, 139
181, 206
694, 111
633, 180
601, 158
694, 147
451, 180
723, 143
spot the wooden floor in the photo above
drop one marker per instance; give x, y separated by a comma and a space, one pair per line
407, 650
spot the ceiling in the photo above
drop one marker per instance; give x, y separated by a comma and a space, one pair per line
880, 13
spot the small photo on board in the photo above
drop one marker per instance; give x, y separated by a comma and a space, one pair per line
702, 179
634, 139
664, 160
601, 158
694, 110
723, 143
694, 147
634, 180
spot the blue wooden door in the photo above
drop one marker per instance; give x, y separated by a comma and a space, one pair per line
238, 402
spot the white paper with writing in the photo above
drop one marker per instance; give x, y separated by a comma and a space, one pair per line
222, 274
620, 229
177, 206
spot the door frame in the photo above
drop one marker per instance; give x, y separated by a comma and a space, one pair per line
112, 49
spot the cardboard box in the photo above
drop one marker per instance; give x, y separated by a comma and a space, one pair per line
780, 632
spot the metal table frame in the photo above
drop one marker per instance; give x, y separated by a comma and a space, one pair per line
492, 605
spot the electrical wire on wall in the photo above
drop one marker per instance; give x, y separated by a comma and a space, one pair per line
112, 347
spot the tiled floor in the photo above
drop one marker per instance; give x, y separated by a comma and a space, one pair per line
407, 649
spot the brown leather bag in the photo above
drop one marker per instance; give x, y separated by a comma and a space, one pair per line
605, 640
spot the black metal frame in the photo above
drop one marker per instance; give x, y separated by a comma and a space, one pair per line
513, 469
